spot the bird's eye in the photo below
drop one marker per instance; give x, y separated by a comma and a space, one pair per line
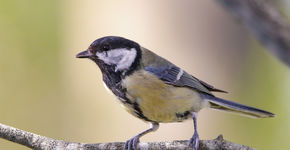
106, 47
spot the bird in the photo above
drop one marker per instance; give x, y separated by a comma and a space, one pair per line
155, 90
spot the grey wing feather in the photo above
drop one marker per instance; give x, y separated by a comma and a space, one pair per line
173, 75
210, 87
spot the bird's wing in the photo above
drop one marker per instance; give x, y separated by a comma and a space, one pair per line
173, 75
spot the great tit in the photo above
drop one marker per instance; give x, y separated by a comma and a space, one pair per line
154, 89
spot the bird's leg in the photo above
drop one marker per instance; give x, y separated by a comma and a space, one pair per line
132, 143
194, 141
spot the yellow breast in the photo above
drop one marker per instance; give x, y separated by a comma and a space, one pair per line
158, 101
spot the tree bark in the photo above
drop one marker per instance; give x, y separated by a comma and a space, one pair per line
38, 142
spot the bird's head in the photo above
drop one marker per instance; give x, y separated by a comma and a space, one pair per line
113, 54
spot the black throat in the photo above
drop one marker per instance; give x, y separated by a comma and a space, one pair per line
113, 79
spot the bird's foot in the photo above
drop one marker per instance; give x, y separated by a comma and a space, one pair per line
194, 141
132, 143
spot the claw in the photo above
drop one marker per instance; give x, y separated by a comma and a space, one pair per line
194, 141
126, 145
135, 143
132, 143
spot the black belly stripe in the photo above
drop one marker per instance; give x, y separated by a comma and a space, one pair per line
139, 112
183, 116
113, 83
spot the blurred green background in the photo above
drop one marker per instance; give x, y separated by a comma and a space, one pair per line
45, 90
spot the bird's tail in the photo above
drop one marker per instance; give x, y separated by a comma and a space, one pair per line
228, 106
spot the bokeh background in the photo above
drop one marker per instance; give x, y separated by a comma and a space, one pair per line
44, 89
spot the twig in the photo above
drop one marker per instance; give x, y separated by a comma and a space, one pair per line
265, 22
38, 142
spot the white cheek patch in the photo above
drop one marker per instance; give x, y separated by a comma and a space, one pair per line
123, 58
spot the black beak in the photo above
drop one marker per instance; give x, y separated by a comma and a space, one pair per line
84, 54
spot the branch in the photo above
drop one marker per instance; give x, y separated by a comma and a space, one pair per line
265, 22
38, 142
